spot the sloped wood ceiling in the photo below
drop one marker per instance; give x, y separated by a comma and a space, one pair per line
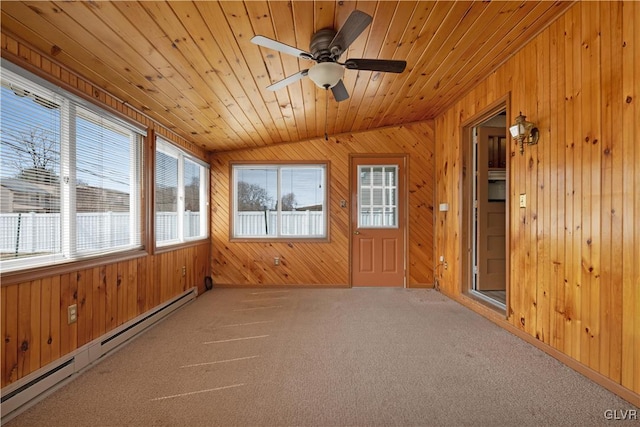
190, 65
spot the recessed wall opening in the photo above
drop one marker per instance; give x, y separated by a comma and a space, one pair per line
485, 183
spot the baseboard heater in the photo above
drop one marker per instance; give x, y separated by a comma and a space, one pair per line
27, 391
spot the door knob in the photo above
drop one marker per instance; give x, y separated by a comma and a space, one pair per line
356, 232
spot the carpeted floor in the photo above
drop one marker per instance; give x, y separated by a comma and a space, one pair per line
326, 357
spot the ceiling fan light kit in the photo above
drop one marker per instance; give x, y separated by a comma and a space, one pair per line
326, 74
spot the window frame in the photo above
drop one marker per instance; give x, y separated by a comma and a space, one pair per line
68, 258
279, 165
165, 146
385, 188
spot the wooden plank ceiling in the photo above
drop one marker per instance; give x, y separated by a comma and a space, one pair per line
190, 65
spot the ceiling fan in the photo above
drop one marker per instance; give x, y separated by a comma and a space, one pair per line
326, 47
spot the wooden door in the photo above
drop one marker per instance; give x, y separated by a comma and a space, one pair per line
491, 213
378, 221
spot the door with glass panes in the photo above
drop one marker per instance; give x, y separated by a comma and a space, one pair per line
378, 221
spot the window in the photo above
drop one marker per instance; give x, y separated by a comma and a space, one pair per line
181, 195
69, 176
279, 201
377, 204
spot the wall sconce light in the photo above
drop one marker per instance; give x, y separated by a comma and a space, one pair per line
524, 132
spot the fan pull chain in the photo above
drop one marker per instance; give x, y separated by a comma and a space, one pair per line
326, 114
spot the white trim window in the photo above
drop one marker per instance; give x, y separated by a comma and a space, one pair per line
181, 195
70, 176
280, 201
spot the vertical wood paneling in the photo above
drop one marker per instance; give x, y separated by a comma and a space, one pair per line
68, 332
543, 219
636, 245
557, 167
35, 323
574, 248
122, 287
573, 118
10, 357
607, 16
24, 329
617, 196
54, 321
142, 302
531, 213
630, 124
45, 322
35, 329
4, 337
85, 307
592, 142
100, 300
111, 310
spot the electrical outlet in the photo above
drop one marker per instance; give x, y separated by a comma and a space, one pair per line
184, 271
523, 200
72, 314
441, 258
276, 260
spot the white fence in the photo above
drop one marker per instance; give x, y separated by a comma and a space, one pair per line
294, 223
40, 233
167, 225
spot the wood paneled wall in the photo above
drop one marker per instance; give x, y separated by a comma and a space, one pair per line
33, 313
35, 331
575, 249
325, 263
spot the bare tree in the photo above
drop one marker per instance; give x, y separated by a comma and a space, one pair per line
36, 154
192, 195
252, 197
289, 202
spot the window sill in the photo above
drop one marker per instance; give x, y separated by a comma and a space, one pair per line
180, 245
29, 274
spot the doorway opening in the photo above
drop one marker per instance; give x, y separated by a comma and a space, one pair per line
485, 213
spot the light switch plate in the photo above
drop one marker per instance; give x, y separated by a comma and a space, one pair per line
523, 200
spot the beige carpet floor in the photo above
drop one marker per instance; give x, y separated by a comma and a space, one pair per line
326, 357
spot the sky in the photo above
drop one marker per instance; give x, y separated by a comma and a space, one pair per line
305, 182
103, 155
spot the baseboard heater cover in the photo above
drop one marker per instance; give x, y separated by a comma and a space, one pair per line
29, 390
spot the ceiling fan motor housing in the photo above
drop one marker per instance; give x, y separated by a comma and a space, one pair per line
319, 46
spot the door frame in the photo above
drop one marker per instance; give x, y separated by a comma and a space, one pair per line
466, 202
403, 197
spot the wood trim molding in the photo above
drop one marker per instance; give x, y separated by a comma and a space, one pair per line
182, 245
31, 274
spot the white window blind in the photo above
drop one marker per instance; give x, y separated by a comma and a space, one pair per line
181, 195
70, 176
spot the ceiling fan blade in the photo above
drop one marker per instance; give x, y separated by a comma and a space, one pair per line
385, 65
288, 80
340, 92
352, 28
280, 47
